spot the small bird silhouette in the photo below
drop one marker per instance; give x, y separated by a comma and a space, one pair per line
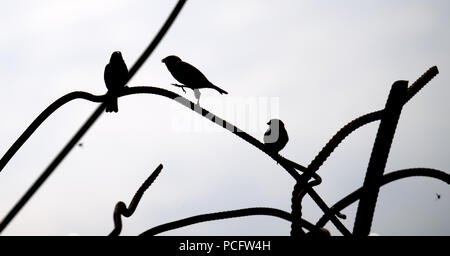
80, 144
116, 75
276, 137
189, 76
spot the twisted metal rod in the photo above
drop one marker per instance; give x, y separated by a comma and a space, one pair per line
332, 144
296, 212
91, 120
296, 207
387, 178
122, 210
225, 215
326, 151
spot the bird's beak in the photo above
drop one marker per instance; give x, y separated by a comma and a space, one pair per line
268, 123
163, 60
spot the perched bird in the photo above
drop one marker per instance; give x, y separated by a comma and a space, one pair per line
116, 75
189, 75
276, 136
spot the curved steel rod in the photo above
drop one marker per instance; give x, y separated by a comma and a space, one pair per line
42, 117
225, 215
122, 210
288, 164
90, 121
387, 178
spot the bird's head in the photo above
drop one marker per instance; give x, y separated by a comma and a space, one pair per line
170, 59
274, 122
116, 56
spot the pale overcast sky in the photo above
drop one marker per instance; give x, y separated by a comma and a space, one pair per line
315, 64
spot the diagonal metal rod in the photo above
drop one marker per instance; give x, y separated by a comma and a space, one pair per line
65, 151
378, 159
51, 167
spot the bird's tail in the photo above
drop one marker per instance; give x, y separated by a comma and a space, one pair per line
111, 105
219, 89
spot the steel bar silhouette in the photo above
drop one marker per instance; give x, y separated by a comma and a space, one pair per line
332, 144
122, 210
399, 95
85, 127
50, 168
41, 118
378, 159
286, 163
225, 215
387, 178
303, 186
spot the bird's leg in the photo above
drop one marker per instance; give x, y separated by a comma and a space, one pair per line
197, 95
181, 86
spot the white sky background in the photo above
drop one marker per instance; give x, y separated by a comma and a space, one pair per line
320, 63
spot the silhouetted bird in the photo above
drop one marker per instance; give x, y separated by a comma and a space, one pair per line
80, 144
188, 75
276, 136
116, 75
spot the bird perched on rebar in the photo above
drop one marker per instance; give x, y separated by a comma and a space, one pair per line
189, 76
276, 137
116, 76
